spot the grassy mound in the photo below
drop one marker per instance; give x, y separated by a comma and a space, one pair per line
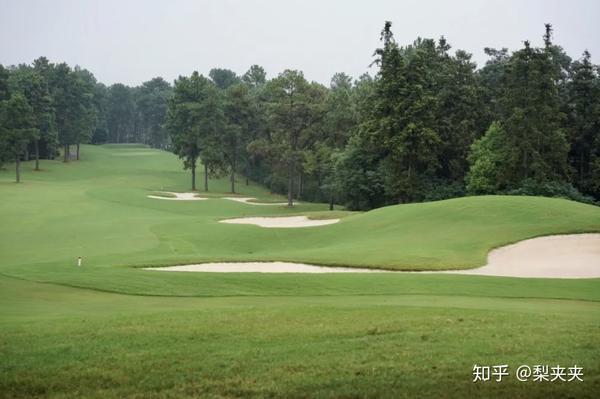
97, 208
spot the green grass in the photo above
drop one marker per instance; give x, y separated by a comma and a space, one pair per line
271, 335
59, 342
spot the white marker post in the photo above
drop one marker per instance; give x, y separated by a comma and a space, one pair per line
79, 261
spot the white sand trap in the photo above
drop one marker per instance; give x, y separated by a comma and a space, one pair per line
262, 267
179, 197
248, 200
281, 222
559, 256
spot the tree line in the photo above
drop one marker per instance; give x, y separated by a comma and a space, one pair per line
46, 109
427, 125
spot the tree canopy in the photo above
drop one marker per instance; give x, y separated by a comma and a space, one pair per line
426, 125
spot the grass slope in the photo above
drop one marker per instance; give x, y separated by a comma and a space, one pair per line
97, 208
252, 335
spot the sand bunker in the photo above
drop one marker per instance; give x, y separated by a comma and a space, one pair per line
281, 222
262, 267
179, 196
248, 200
561, 256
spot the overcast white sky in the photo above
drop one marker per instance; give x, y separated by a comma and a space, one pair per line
133, 41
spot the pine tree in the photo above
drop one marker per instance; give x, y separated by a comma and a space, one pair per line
531, 118
584, 125
17, 128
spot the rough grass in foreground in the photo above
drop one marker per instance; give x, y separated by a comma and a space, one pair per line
70, 343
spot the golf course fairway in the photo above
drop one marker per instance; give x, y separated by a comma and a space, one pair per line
111, 329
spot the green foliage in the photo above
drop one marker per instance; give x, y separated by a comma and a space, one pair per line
420, 117
255, 76
72, 91
490, 80
87, 118
4, 91
223, 78
195, 120
32, 83
294, 108
240, 114
584, 125
526, 152
17, 127
102, 133
120, 113
535, 144
151, 104
427, 125
459, 109
487, 160
438, 189
551, 189
358, 177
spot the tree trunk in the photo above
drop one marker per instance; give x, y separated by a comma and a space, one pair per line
18, 168
331, 200
247, 181
581, 169
300, 185
78, 151
290, 187
205, 177
194, 176
66, 153
525, 163
233, 177
27, 153
37, 155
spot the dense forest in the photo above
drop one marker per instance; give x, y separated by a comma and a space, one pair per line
427, 125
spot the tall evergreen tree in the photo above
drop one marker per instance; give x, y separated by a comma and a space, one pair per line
584, 125
4, 92
152, 105
531, 116
223, 78
86, 117
33, 85
458, 111
17, 128
120, 113
293, 108
402, 126
529, 145
255, 76
64, 93
240, 115
194, 120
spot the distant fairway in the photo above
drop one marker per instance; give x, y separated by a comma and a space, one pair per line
350, 335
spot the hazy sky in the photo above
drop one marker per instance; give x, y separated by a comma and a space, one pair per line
133, 41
